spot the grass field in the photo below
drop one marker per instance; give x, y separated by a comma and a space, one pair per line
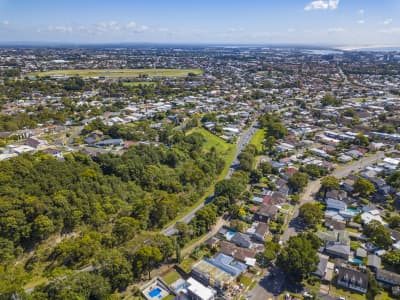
116, 73
258, 139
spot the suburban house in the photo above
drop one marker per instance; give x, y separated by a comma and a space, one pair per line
352, 279
374, 262
266, 212
210, 275
197, 291
238, 253
325, 268
338, 250
335, 204
109, 142
241, 240
387, 277
258, 231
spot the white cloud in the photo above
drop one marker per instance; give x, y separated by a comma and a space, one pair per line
361, 21
361, 12
133, 27
61, 29
322, 5
388, 21
290, 30
393, 30
235, 29
5, 23
336, 29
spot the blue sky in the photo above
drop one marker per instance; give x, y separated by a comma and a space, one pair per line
333, 22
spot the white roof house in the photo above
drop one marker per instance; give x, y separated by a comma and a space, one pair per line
200, 291
391, 161
370, 216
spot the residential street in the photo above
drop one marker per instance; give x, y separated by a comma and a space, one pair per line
314, 186
270, 287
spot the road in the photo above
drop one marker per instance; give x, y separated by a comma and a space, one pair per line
270, 286
344, 76
243, 140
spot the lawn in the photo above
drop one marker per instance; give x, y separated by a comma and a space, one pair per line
186, 264
253, 285
337, 292
258, 139
171, 277
115, 73
245, 280
383, 296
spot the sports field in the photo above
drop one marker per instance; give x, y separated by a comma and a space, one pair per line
116, 73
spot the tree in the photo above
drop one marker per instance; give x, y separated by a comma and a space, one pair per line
298, 258
361, 140
238, 225
329, 183
311, 213
246, 161
364, 187
116, 268
394, 222
125, 229
314, 171
298, 181
204, 219
255, 176
42, 227
228, 188
271, 251
266, 168
378, 234
184, 233
329, 99
6, 251
394, 179
145, 259
393, 258
270, 142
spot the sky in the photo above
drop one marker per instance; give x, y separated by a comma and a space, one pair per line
314, 22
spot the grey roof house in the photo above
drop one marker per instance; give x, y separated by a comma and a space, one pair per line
352, 279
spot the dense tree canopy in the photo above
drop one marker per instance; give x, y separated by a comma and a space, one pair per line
378, 234
298, 181
105, 205
364, 187
299, 257
311, 213
329, 183
273, 127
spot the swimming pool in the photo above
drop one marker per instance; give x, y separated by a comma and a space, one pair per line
229, 235
357, 261
352, 211
155, 292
